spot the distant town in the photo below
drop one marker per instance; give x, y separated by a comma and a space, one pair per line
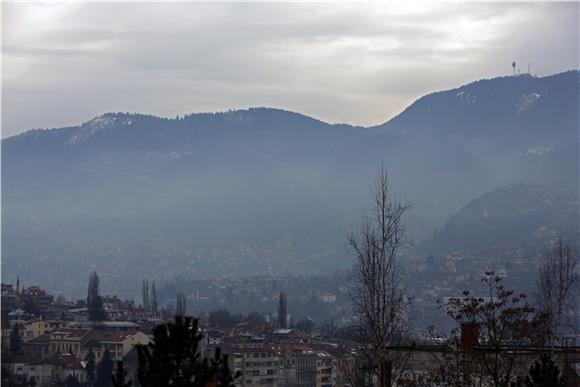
49, 340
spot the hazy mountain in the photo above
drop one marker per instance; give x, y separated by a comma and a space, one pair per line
134, 188
520, 125
510, 213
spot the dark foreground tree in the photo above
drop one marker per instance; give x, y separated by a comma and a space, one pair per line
15, 340
94, 300
90, 367
105, 371
120, 376
544, 373
72, 381
173, 358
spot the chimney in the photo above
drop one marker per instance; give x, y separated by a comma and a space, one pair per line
469, 335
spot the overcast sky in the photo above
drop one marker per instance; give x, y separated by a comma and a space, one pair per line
357, 63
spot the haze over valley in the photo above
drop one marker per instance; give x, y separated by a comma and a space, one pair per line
265, 191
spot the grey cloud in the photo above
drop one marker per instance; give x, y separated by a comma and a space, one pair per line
357, 63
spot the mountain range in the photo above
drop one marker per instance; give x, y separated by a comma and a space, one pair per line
117, 187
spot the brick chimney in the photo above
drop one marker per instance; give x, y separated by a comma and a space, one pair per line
469, 335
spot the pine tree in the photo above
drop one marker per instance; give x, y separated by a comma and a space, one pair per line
72, 381
105, 371
153, 300
94, 300
15, 341
120, 375
544, 373
145, 292
173, 359
30, 307
180, 305
90, 367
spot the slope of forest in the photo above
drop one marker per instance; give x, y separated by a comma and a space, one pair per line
132, 189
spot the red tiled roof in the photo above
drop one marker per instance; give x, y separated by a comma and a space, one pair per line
147, 328
272, 348
119, 336
78, 332
70, 361
95, 334
42, 339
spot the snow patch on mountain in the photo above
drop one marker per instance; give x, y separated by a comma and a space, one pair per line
97, 124
466, 97
539, 150
526, 102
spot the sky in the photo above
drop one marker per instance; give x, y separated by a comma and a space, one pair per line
357, 63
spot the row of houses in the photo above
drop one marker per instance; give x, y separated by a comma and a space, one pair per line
52, 356
284, 366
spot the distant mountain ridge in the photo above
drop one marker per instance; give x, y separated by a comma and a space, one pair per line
510, 213
263, 175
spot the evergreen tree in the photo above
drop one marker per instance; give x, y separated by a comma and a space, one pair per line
544, 373
153, 300
180, 305
90, 367
94, 300
15, 341
145, 292
105, 371
72, 381
120, 375
30, 307
173, 359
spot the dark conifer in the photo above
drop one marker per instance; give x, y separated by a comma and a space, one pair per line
72, 381
105, 371
180, 305
15, 340
173, 359
94, 300
120, 376
544, 373
90, 367
153, 300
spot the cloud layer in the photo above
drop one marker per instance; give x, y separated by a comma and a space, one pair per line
358, 63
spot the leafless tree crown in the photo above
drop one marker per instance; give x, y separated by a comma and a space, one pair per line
377, 294
557, 289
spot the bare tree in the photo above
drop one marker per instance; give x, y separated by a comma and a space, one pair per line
377, 294
556, 289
